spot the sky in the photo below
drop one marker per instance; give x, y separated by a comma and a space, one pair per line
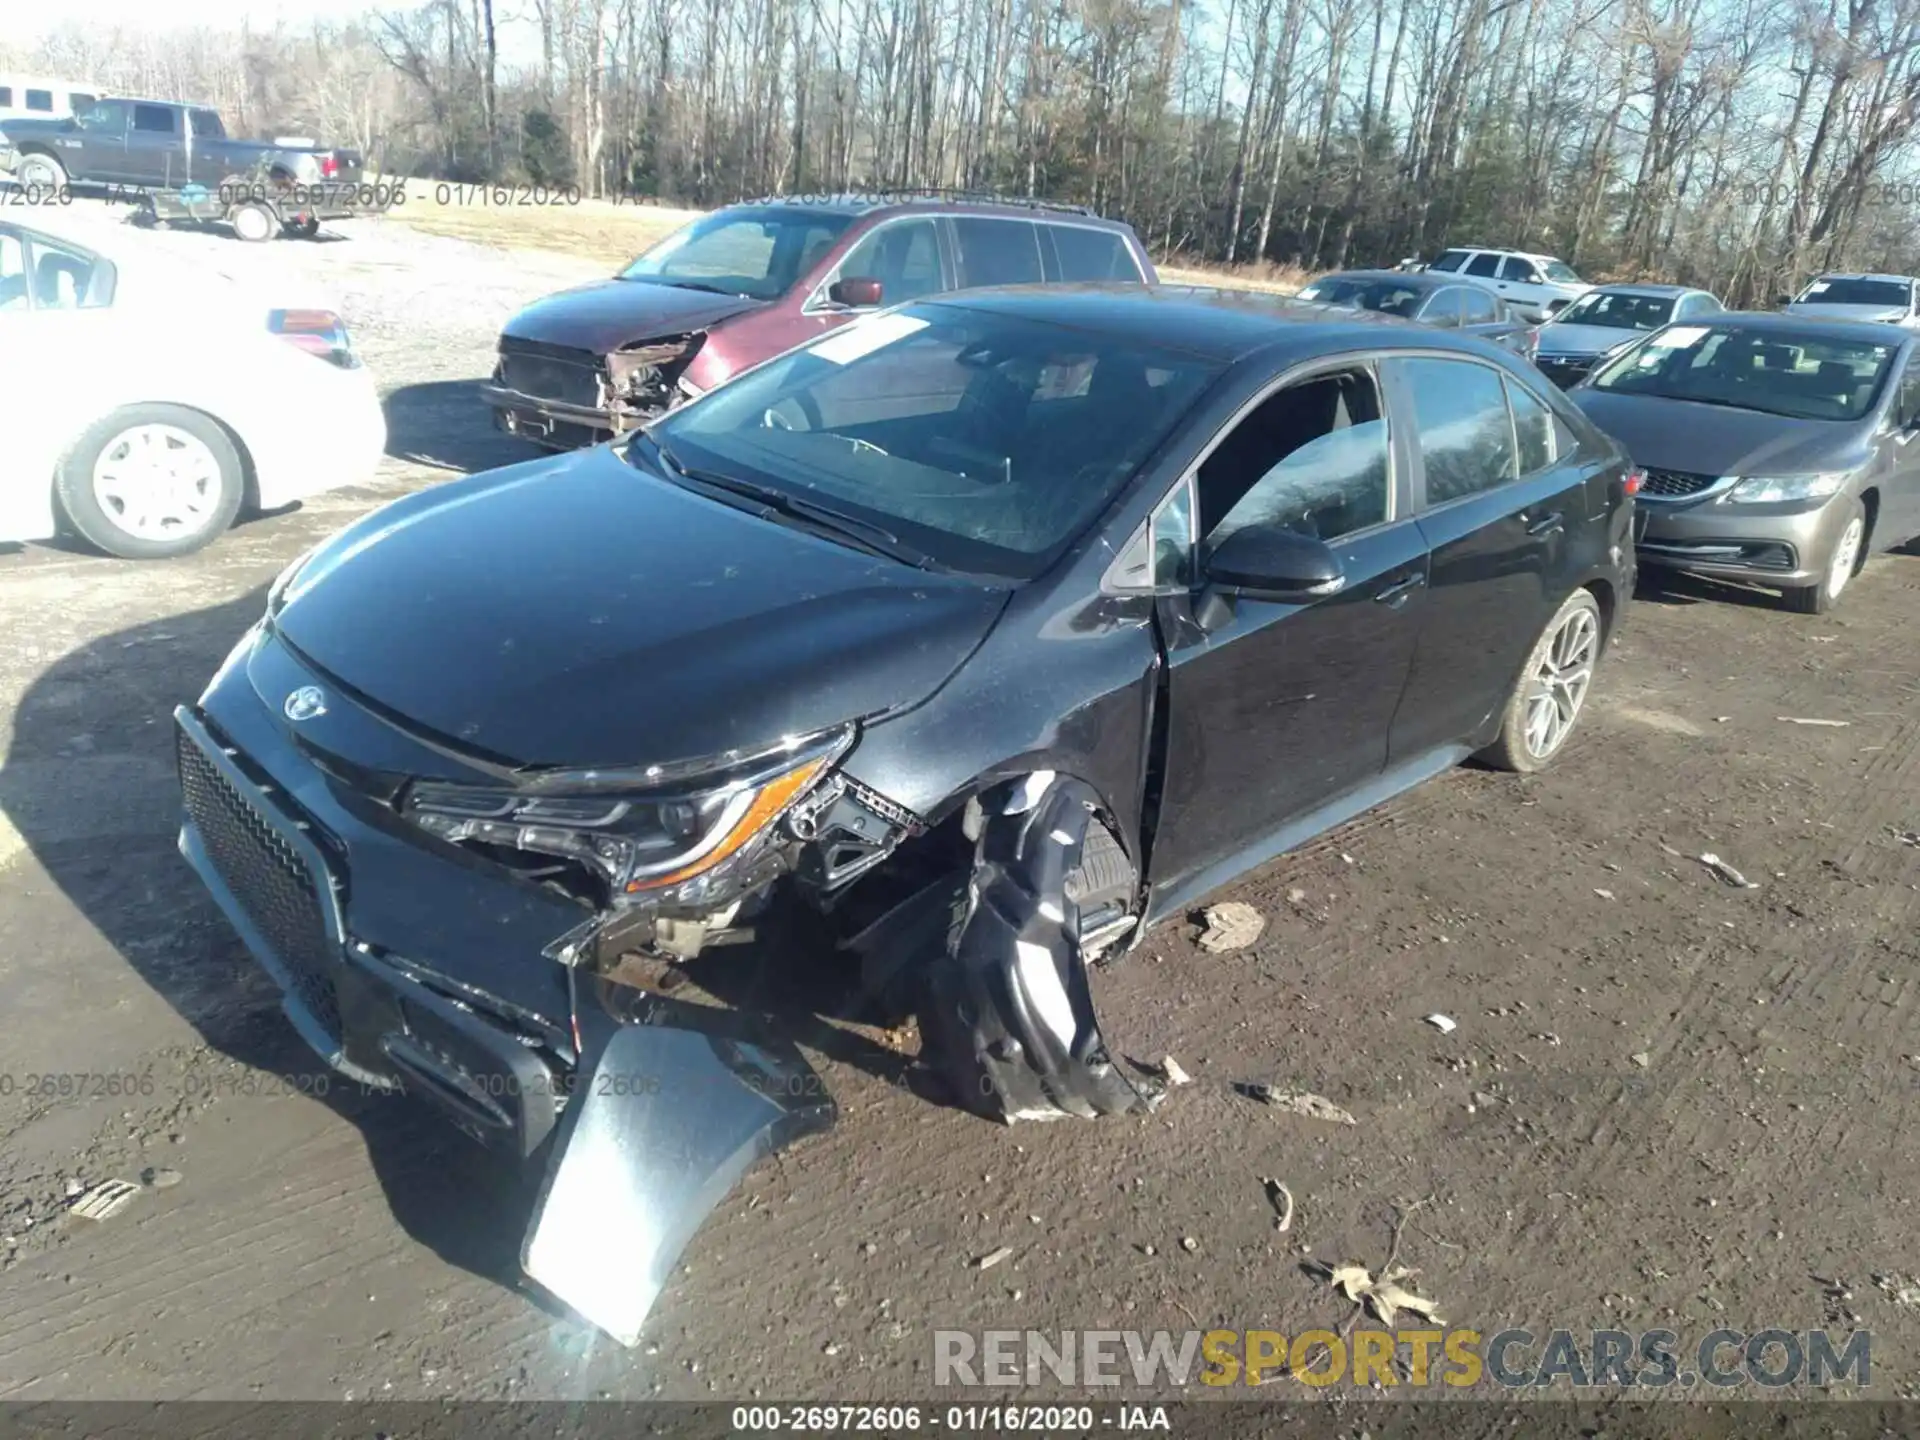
219, 14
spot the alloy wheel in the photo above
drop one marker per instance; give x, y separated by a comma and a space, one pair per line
1846, 556
1560, 681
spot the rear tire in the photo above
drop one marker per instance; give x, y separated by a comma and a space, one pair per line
252, 222
149, 482
1843, 562
1552, 689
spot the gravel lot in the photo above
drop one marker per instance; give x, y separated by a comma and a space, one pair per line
1668, 1102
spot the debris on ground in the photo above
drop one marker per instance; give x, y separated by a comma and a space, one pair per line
160, 1179
1642, 1059
1726, 872
105, 1200
1171, 1072
1230, 925
1808, 720
1383, 1298
988, 1261
1604, 894
1445, 1024
1905, 837
1902, 1290
1189, 1244
1302, 1102
1281, 1198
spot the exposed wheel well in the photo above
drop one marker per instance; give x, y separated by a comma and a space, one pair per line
1605, 597
1871, 499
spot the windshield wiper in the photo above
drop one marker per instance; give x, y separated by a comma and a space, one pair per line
689, 285
862, 534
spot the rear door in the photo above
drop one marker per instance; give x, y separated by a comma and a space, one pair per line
1899, 518
1496, 491
156, 146
1281, 707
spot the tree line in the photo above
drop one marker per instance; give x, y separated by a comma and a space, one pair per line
1735, 144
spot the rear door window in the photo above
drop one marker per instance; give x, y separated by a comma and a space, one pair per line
1444, 307
1088, 254
1480, 308
13, 273
154, 119
1515, 267
1485, 264
1533, 427
206, 124
1451, 260
997, 252
1462, 426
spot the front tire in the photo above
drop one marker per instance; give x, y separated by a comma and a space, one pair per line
1552, 689
40, 172
1844, 561
300, 229
151, 481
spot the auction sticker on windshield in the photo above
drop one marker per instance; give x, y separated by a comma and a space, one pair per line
1678, 336
863, 337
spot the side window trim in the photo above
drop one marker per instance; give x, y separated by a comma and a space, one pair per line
1049, 225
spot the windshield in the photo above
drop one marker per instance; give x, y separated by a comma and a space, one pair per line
1801, 374
984, 441
1618, 312
1894, 294
1389, 297
1560, 272
758, 251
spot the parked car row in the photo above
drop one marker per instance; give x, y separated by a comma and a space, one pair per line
1777, 449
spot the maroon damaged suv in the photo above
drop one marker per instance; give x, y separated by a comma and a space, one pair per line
749, 281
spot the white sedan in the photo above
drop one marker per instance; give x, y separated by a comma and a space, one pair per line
148, 398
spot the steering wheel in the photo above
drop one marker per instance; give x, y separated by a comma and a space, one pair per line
792, 412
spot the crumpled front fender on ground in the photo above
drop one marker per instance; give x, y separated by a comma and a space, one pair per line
662, 1128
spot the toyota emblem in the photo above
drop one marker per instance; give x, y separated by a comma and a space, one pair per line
305, 703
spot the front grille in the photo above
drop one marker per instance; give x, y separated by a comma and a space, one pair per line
551, 373
1672, 484
267, 876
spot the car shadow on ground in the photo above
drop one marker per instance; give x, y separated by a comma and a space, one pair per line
445, 424
109, 703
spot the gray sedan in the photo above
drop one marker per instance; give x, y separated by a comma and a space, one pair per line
1430, 297
1610, 319
1776, 449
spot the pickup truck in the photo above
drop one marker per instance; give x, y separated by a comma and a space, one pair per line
162, 147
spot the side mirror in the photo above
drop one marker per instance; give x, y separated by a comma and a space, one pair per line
1783, 301
1269, 562
859, 292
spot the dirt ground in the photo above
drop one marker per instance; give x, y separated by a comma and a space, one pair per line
1668, 1102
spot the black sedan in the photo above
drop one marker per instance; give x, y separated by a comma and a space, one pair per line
1779, 450
1431, 297
998, 628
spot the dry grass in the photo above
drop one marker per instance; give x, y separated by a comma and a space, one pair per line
614, 233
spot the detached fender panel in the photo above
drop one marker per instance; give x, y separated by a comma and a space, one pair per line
1008, 1014
664, 1126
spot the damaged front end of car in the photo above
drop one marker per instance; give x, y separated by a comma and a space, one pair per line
395, 914
563, 395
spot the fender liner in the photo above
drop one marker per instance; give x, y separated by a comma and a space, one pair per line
1006, 1014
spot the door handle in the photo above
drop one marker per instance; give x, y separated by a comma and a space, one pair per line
1545, 525
1401, 590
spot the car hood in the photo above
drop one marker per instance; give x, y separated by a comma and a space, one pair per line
1584, 339
1820, 310
608, 314
1719, 440
579, 611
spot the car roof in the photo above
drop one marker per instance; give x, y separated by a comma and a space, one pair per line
862, 204
1647, 288
1870, 331
1209, 323
1500, 250
1861, 275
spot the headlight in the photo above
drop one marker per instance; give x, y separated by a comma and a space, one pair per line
1762, 489
651, 834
